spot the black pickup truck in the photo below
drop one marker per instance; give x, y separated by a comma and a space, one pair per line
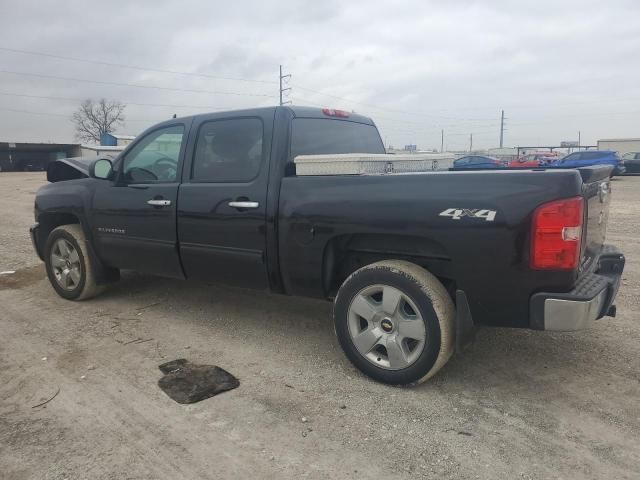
413, 262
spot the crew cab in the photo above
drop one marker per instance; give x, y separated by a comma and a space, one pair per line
413, 262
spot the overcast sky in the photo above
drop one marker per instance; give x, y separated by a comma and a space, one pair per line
555, 67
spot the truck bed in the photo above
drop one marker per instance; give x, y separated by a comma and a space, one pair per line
342, 217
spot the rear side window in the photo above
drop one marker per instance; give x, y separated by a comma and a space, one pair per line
572, 157
317, 136
592, 155
228, 151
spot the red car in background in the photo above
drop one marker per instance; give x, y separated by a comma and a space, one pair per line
532, 160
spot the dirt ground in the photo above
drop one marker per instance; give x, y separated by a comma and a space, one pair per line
520, 404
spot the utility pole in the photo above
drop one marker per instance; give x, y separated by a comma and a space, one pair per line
578, 139
470, 142
501, 128
442, 140
282, 90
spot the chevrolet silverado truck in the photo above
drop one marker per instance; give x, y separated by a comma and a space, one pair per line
413, 263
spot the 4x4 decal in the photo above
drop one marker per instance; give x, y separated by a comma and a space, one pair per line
459, 213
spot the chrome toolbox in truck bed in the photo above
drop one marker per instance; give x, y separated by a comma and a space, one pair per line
363, 164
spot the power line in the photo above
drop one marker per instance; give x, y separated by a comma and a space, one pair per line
49, 114
404, 112
122, 84
78, 99
138, 67
419, 127
203, 75
134, 67
463, 123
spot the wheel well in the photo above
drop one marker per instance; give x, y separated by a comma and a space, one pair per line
346, 254
50, 221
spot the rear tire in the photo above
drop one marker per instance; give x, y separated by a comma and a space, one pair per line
395, 321
69, 265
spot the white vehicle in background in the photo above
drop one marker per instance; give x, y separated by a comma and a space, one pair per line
620, 145
632, 162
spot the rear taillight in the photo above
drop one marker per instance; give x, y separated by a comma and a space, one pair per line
330, 112
556, 234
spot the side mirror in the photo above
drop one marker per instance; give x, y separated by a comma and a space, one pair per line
102, 169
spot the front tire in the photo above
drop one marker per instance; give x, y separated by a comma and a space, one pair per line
69, 265
395, 322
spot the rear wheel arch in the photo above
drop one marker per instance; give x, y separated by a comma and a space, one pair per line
345, 254
48, 221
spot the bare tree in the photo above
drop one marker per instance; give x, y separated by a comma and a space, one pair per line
92, 119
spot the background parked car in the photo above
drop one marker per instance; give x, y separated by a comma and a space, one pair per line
477, 162
532, 160
594, 157
632, 162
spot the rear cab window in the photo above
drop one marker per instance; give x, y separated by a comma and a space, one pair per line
320, 136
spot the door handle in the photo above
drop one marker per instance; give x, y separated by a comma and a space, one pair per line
159, 203
244, 204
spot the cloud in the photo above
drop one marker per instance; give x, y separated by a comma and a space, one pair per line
415, 66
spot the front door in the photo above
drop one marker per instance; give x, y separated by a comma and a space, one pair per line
572, 160
222, 201
134, 217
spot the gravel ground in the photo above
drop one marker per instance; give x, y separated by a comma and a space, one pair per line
520, 404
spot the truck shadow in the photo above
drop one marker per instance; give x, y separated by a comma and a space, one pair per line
518, 361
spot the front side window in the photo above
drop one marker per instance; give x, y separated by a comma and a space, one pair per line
571, 158
154, 159
228, 151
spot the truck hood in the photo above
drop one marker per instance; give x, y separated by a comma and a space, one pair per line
71, 168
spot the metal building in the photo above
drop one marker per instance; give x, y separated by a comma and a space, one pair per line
16, 156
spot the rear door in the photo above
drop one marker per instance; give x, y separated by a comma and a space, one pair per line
597, 158
222, 200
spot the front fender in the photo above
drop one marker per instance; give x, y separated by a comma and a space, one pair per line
68, 202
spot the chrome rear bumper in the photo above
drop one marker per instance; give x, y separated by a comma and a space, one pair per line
591, 299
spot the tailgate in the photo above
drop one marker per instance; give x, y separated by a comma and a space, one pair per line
597, 193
